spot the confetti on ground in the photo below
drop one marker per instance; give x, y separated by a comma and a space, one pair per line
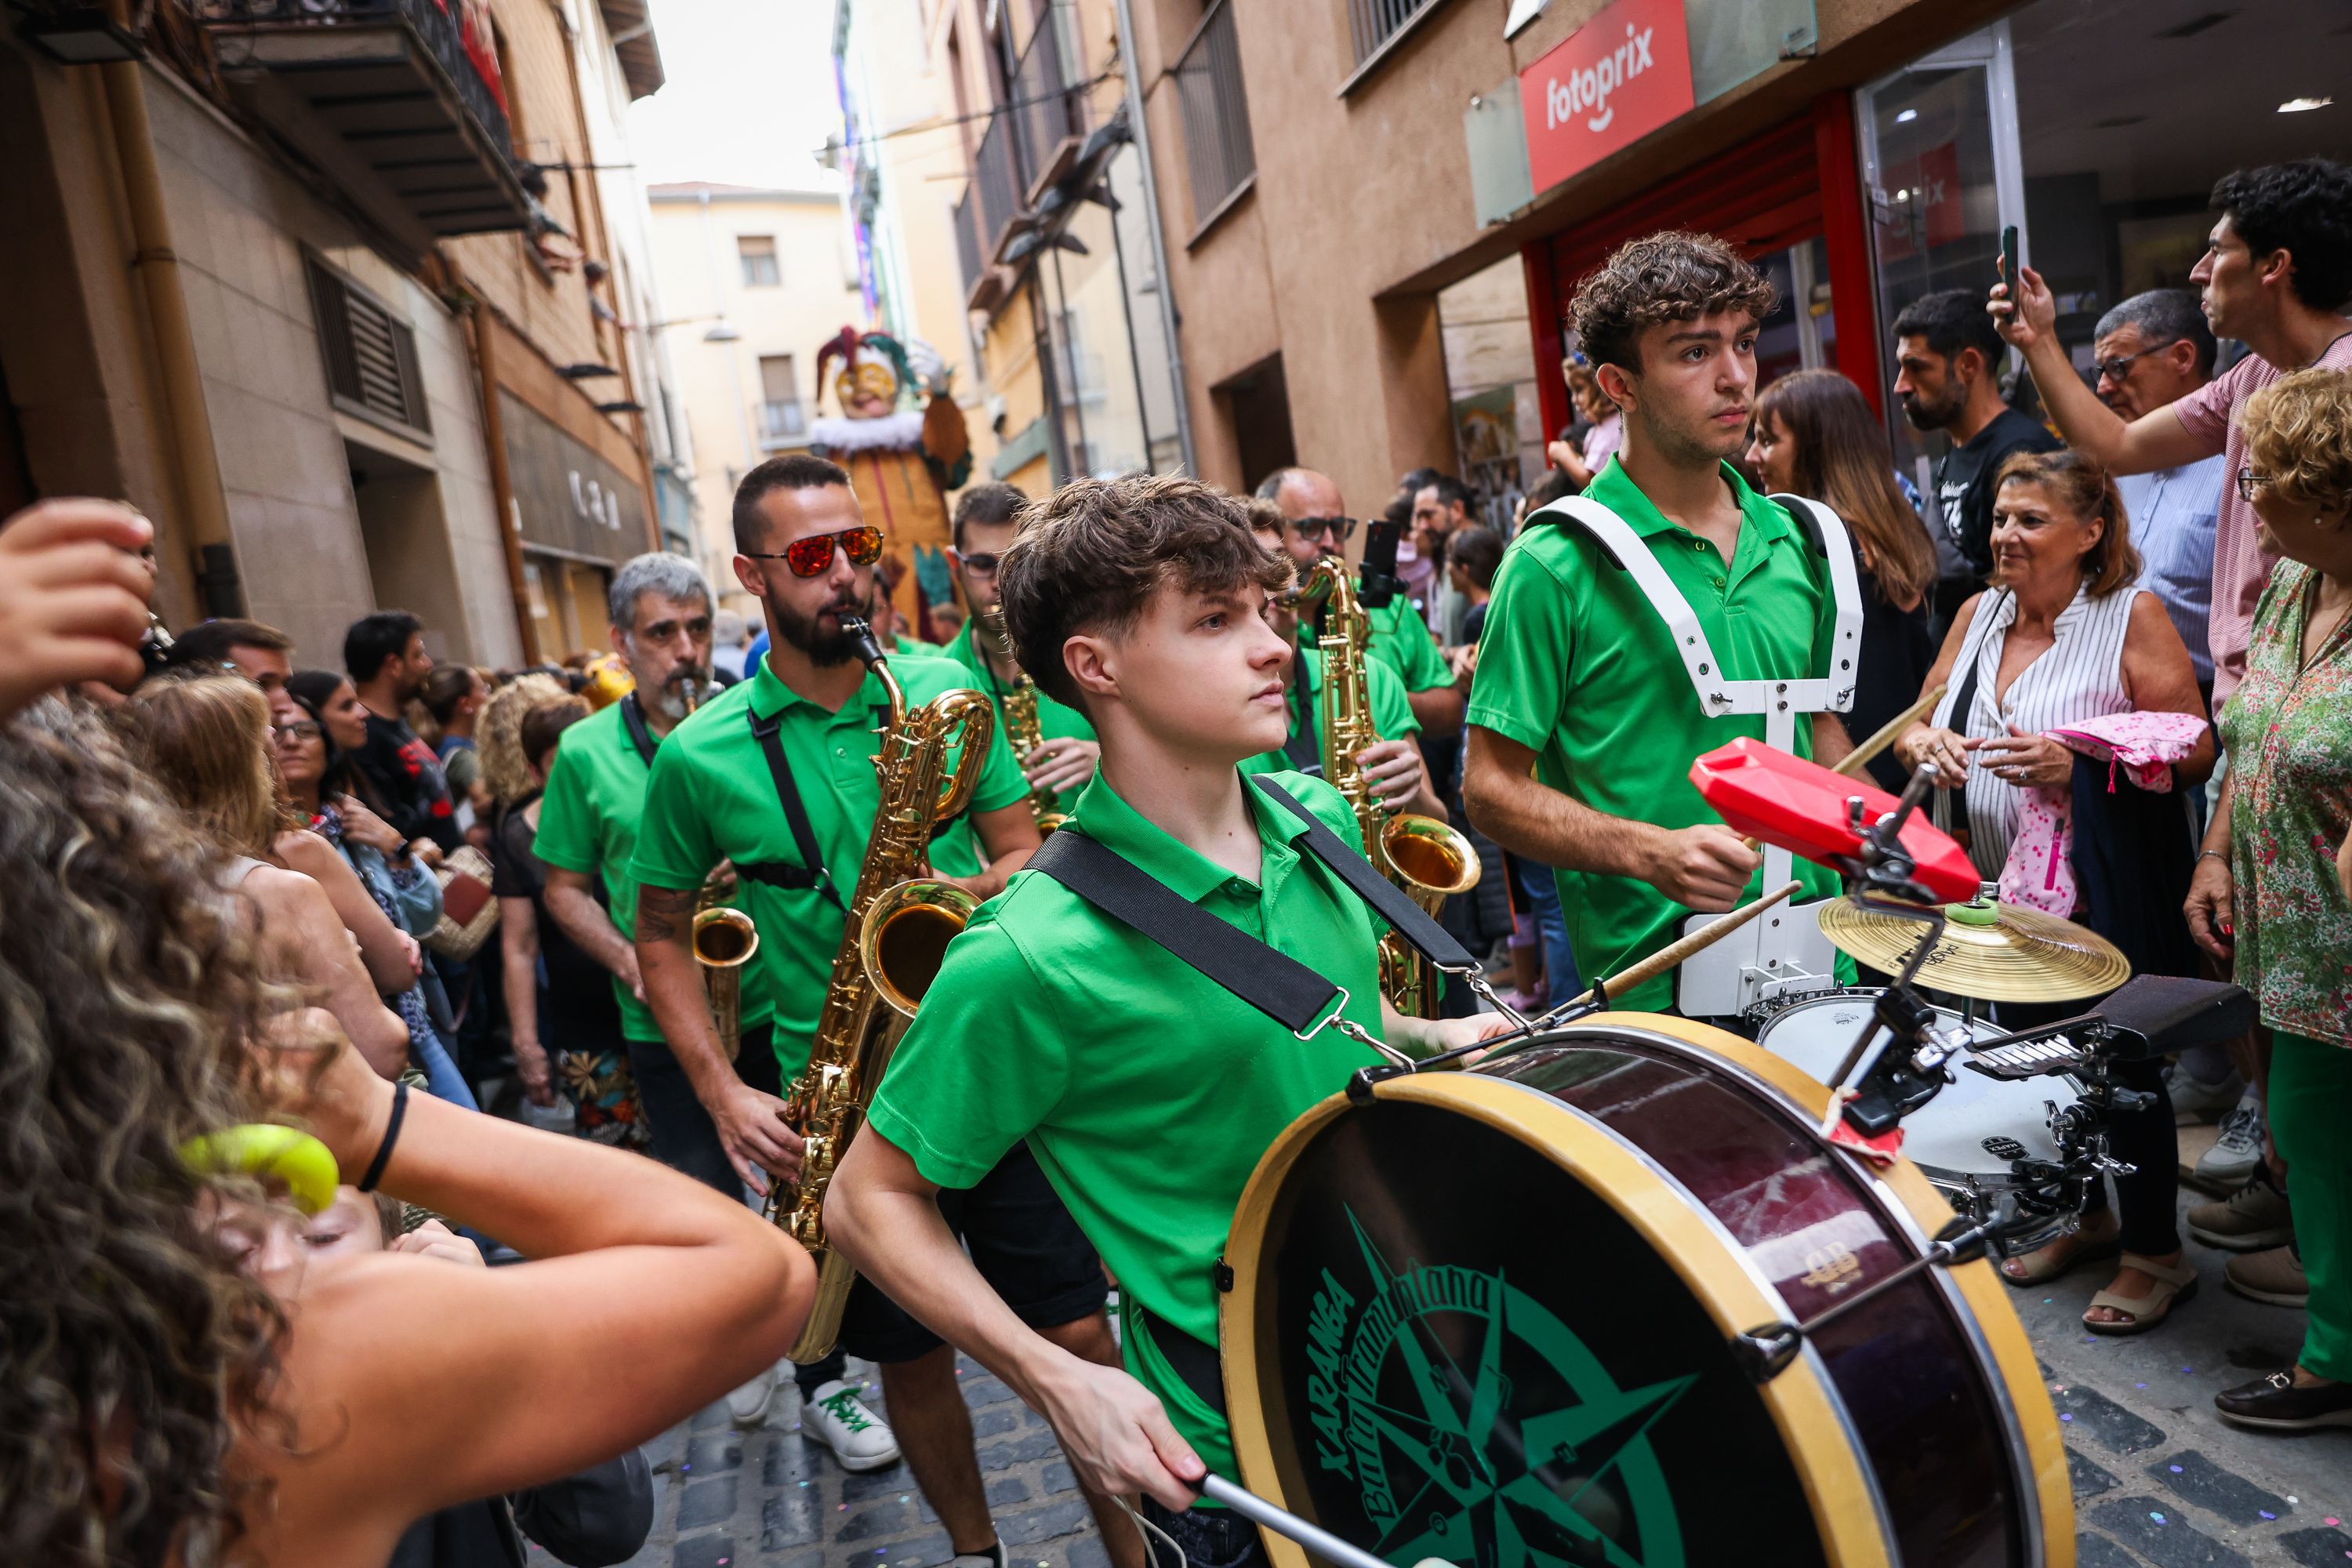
2139, 1385
2066, 1415
2266, 1513
2331, 1521
2157, 1516
2176, 1469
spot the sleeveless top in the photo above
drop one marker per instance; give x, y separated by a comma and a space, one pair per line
2080, 676
239, 869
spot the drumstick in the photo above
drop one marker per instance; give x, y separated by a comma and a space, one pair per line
1674, 953
1853, 762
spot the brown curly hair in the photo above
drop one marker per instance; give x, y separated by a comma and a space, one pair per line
498, 735
1671, 275
133, 1349
2299, 435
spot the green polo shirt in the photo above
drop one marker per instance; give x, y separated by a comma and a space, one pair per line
588, 824
1577, 666
1056, 720
1400, 640
1392, 710
711, 797
1147, 1090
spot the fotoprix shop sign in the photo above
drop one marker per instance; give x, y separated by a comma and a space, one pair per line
1606, 86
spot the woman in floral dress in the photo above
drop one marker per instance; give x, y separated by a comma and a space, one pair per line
2267, 895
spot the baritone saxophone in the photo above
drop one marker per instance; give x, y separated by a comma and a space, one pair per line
1022, 730
1428, 859
896, 931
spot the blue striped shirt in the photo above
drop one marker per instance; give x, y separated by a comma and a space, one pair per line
2173, 512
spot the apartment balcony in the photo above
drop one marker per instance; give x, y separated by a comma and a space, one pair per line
1028, 147
779, 424
983, 283
384, 99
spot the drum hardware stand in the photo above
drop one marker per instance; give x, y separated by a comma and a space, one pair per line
1764, 1352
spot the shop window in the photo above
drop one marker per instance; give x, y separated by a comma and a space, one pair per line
756, 253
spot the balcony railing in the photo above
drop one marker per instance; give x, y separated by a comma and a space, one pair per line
1372, 23
1052, 115
384, 98
1028, 145
1217, 149
781, 423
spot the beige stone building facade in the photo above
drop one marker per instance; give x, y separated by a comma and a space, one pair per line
281, 284
755, 281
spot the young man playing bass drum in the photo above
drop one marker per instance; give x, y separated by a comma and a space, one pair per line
1147, 1089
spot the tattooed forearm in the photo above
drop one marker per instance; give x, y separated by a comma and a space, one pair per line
663, 912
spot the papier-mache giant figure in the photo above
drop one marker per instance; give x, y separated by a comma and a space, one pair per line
902, 460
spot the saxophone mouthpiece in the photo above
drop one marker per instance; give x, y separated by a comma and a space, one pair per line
860, 635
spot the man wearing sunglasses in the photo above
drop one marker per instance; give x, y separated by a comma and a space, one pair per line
1318, 527
785, 758
1065, 756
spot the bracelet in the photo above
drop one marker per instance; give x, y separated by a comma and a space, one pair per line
2221, 854
390, 1136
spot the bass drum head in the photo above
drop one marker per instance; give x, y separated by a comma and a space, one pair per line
1460, 1350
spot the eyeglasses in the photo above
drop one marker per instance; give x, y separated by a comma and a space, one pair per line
2249, 482
980, 562
2115, 369
812, 556
1340, 529
300, 729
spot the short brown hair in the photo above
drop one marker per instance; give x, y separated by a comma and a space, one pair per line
2085, 489
1265, 517
800, 471
544, 725
205, 739
1090, 556
1669, 276
2299, 436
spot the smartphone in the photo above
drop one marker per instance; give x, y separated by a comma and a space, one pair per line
2009, 258
1378, 584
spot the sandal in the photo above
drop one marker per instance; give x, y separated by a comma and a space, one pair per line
2174, 1285
2042, 1266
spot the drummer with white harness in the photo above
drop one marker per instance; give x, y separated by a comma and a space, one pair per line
1668, 610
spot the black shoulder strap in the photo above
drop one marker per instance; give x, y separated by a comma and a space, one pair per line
1268, 979
1385, 897
811, 872
632, 719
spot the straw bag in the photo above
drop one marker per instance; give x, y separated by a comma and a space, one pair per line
469, 912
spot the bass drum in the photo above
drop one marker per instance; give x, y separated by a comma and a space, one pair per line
1490, 1317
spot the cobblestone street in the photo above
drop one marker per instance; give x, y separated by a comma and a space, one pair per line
2159, 1480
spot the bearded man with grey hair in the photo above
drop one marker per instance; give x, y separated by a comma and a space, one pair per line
661, 610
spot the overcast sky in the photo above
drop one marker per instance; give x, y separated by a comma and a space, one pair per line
749, 97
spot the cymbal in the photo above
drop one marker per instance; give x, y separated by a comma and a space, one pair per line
1994, 953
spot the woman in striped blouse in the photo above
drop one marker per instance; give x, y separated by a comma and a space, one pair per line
2060, 637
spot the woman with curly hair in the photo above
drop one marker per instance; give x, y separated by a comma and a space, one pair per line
162, 1406
204, 738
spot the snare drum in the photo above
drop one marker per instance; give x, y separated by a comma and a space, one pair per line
1964, 1139
1497, 1317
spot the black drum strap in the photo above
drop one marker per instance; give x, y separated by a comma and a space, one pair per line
1387, 898
1265, 977
1304, 748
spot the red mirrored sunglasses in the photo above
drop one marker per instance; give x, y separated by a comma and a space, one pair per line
812, 556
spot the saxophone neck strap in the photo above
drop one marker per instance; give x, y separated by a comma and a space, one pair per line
810, 872
632, 719
1303, 748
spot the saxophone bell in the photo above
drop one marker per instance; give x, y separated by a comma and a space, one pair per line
724, 941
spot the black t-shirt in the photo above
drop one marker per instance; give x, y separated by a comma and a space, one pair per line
408, 776
578, 1011
1964, 482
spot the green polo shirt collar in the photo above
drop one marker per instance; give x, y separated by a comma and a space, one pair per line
1103, 816
1762, 523
771, 695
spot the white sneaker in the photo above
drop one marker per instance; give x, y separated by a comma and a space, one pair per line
834, 1416
2194, 1099
748, 1407
2236, 1152
995, 1557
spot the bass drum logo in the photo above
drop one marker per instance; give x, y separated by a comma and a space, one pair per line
1445, 1462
